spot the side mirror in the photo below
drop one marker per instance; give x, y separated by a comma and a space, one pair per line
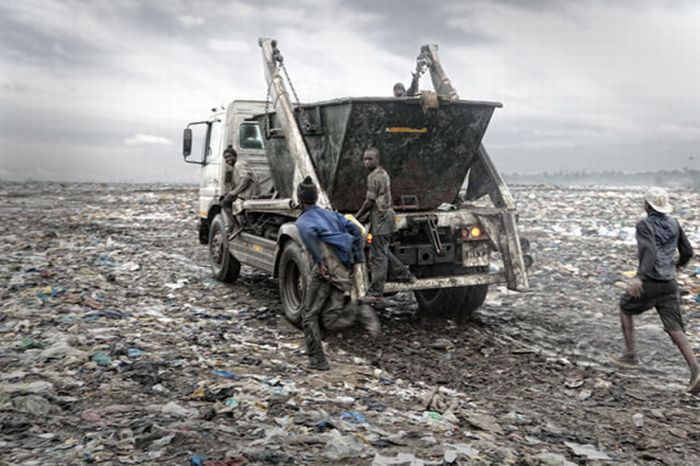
187, 142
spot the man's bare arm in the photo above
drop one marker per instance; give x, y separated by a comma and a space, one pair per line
241, 187
364, 210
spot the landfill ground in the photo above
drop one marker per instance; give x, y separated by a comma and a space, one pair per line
118, 348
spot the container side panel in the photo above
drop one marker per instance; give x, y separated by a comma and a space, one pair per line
426, 153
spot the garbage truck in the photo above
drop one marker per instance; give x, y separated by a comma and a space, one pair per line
455, 217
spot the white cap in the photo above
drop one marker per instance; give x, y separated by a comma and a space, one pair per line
657, 198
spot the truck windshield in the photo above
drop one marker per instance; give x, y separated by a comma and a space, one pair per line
250, 136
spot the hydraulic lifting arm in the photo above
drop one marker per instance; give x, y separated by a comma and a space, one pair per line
303, 165
428, 59
483, 179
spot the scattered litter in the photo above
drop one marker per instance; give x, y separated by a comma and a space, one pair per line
119, 348
588, 451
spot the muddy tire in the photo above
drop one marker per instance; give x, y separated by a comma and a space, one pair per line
203, 231
458, 303
224, 266
473, 299
440, 302
293, 275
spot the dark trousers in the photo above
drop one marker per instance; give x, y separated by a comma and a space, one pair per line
663, 296
324, 304
381, 261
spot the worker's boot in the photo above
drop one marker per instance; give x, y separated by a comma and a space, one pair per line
318, 362
369, 320
626, 360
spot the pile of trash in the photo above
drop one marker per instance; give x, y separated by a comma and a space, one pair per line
118, 348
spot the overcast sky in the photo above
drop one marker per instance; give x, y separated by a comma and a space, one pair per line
100, 90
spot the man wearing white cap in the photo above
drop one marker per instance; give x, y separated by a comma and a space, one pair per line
658, 237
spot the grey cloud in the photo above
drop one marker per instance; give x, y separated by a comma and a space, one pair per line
175, 64
617, 156
22, 126
11, 86
403, 26
142, 139
22, 43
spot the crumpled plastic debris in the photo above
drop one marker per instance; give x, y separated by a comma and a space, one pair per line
119, 348
340, 447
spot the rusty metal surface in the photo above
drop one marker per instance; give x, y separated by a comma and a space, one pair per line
428, 163
447, 282
502, 229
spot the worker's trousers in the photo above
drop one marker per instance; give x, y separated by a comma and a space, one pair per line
381, 261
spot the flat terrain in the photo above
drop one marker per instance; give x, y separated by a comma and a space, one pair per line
117, 348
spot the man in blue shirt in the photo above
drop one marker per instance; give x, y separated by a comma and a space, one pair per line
335, 245
658, 238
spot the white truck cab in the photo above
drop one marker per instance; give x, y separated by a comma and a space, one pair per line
205, 146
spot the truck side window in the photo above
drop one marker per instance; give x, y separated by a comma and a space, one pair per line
250, 136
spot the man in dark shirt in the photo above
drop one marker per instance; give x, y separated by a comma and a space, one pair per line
400, 89
335, 245
658, 237
377, 206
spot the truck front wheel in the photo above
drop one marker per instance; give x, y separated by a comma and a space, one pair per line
224, 266
294, 273
459, 302
203, 231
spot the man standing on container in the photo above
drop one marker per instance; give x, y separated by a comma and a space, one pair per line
241, 185
335, 244
658, 237
381, 216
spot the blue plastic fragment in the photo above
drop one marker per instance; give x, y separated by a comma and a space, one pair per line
134, 353
323, 426
226, 374
353, 417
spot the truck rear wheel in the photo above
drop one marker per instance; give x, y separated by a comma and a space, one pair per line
224, 266
293, 276
459, 302
440, 302
473, 299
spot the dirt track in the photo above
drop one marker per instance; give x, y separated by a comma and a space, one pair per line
116, 268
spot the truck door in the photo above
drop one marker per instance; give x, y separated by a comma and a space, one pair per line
211, 175
202, 145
